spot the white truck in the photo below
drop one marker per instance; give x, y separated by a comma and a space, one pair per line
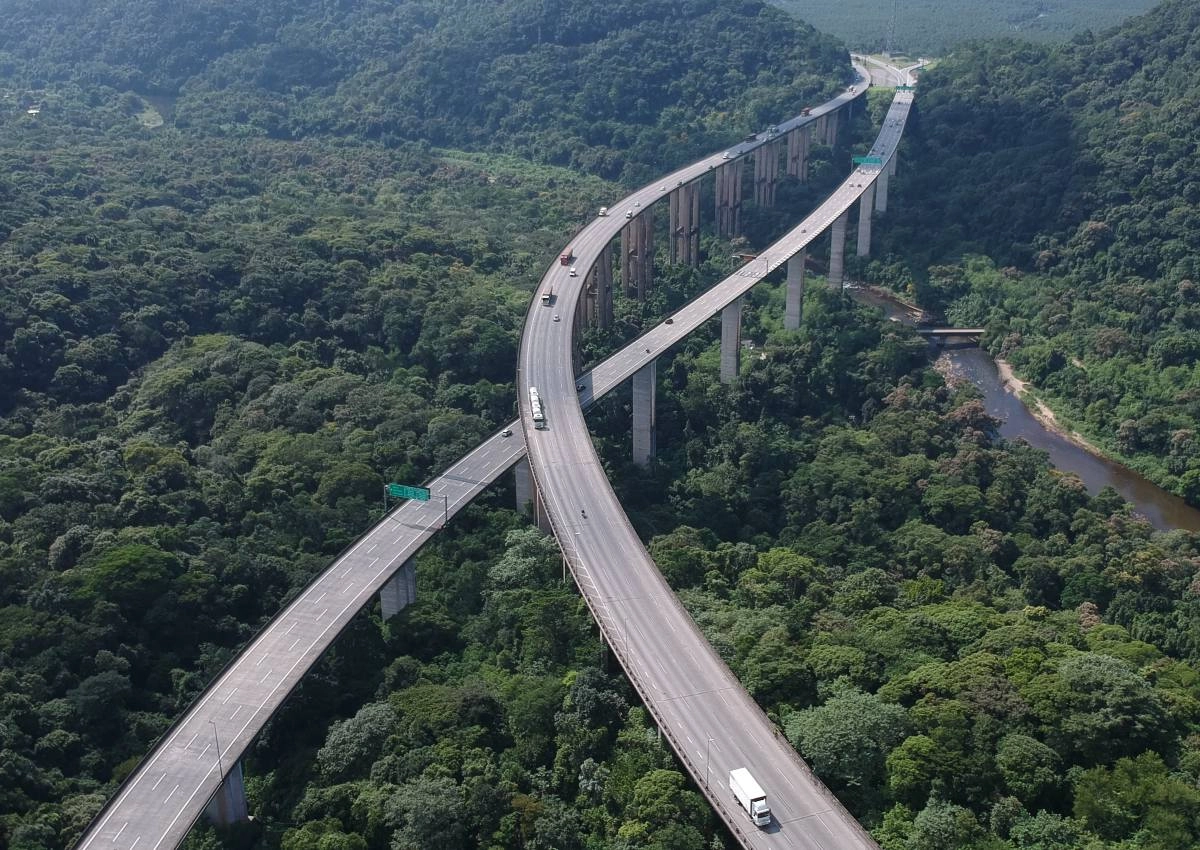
750, 797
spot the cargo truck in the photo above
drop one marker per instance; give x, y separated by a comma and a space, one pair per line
750, 797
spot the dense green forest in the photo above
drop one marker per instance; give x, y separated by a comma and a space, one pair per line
936, 27
221, 334
513, 75
1050, 193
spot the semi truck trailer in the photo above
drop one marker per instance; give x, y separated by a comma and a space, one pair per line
750, 797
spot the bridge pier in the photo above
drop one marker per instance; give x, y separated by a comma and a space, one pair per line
793, 310
881, 190
766, 174
645, 385
866, 207
603, 273
684, 209
837, 251
228, 805
731, 340
637, 255
798, 143
729, 197
524, 481
399, 592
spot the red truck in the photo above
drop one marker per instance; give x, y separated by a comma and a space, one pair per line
565, 258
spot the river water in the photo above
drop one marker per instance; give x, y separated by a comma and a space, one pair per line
1164, 510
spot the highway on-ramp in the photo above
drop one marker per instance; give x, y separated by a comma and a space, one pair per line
712, 723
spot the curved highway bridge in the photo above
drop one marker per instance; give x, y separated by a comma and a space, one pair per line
694, 697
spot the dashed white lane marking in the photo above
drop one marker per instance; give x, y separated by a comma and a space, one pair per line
236, 711
119, 831
229, 697
203, 754
290, 628
372, 549
321, 598
189, 743
293, 646
265, 676
173, 790
160, 779
135, 842
322, 614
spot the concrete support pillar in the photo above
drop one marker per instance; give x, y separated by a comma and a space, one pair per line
603, 271
684, 237
766, 174
399, 592
881, 190
729, 197
831, 127
793, 310
892, 163
866, 208
540, 516
524, 481
228, 805
837, 251
645, 383
798, 142
637, 255
731, 341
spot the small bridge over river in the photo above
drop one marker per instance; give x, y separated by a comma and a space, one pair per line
951, 337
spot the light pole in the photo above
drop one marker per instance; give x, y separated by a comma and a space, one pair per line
220, 763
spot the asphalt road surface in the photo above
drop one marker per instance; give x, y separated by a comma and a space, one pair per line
712, 723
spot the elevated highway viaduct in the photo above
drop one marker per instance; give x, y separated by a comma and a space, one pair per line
196, 763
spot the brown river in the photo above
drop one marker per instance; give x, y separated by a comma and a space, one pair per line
1164, 510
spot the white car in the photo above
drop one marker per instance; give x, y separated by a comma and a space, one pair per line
556, 317
572, 272
629, 213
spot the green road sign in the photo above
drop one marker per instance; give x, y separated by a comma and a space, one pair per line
904, 88
403, 491
868, 160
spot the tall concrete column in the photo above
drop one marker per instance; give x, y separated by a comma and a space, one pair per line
766, 174
881, 190
797, 152
645, 384
837, 250
524, 482
399, 592
604, 287
729, 197
637, 255
228, 805
731, 341
892, 163
831, 128
684, 237
793, 309
645, 253
866, 207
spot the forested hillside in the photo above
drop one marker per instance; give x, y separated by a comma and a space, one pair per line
239, 291
1073, 170
566, 82
935, 27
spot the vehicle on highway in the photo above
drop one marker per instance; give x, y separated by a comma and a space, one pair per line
547, 297
580, 387
603, 211
725, 155
535, 405
750, 796
507, 432
565, 258
670, 321
572, 272
751, 137
556, 317
629, 213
